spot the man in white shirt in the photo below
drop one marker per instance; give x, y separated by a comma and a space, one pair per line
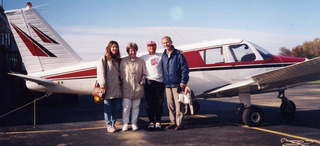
154, 88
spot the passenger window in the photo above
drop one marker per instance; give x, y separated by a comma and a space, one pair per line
212, 56
242, 53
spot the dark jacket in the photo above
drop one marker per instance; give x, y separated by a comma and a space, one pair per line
175, 69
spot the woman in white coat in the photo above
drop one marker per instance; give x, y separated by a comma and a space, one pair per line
133, 73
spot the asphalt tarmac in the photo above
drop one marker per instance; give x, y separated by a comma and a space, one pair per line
217, 124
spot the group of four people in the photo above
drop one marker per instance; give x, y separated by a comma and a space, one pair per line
129, 79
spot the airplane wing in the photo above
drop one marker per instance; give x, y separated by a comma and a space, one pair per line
279, 78
37, 80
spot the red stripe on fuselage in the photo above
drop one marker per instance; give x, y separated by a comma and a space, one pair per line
76, 74
195, 60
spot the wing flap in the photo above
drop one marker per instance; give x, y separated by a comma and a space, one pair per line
236, 85
296, 73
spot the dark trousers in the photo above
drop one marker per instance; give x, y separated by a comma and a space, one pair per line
154, 93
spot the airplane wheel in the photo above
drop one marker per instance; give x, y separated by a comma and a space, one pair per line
252, 116
287, 110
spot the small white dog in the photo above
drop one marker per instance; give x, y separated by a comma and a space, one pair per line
186, 99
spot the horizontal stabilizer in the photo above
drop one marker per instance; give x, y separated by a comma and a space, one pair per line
37, 80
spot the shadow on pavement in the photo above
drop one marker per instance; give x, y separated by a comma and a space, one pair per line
225, 114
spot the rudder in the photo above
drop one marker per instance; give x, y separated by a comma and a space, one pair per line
41, 47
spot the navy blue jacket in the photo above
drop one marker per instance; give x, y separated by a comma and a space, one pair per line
175, 69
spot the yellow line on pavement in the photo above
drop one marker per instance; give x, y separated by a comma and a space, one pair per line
79, 129
202, 116
51, 131
284, 134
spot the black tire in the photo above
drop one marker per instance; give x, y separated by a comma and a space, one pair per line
288, 110
252, 116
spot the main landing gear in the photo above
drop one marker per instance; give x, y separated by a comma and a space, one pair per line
250, 115
287, 107
254, 116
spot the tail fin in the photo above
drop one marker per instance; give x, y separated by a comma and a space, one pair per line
41, 48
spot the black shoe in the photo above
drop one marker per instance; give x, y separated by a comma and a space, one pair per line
170, 126
180, 127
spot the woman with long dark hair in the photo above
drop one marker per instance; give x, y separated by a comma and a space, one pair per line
108, 77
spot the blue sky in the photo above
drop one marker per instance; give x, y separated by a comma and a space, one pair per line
262, 21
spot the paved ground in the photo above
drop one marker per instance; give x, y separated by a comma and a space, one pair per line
217, 124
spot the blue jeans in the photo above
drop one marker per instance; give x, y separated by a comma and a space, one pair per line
111, 109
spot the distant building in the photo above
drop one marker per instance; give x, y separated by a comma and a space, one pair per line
12, 90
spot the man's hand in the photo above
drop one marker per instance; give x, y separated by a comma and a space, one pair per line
183, 86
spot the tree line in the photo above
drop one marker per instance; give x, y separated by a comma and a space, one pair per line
308, 49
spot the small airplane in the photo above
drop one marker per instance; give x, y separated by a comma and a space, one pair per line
219, 68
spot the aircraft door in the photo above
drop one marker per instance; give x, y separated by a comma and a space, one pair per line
213, 76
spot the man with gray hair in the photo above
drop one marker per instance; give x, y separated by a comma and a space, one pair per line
175, 73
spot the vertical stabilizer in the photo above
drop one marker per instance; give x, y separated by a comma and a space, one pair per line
41, 47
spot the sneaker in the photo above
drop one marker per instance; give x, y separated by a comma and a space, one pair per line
151, 125
134, 127
111, 129
158, 125
125, 127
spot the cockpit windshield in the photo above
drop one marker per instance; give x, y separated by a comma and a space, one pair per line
242, 52
264, 53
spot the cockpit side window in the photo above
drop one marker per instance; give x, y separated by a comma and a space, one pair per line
212, 55
242, 52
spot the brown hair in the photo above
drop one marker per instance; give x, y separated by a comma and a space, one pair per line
133, 46
109, 55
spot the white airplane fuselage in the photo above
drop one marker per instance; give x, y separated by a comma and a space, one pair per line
80, 78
